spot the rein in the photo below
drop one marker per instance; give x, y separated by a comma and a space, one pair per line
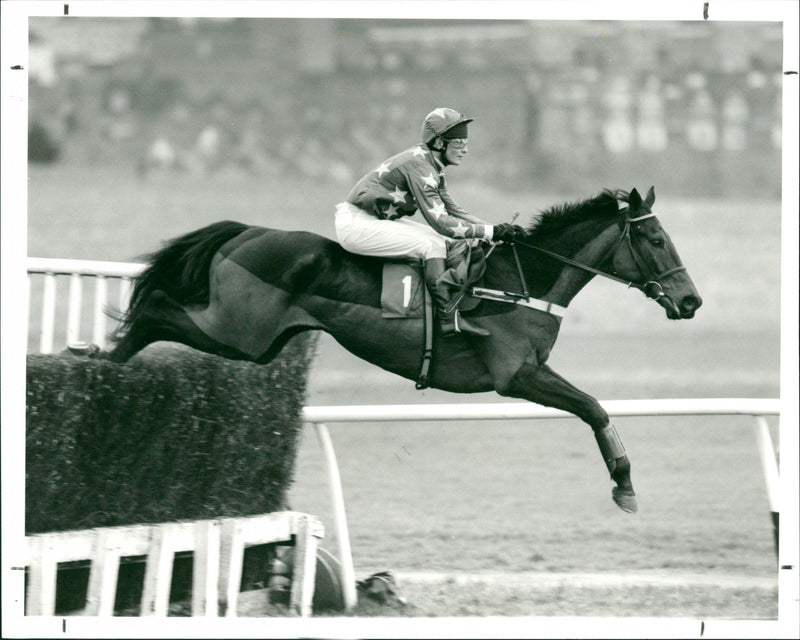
651, 287
654, 292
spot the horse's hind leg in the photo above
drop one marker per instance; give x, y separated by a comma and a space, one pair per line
540, 384
165, 319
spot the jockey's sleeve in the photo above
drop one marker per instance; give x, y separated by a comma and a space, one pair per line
423, 182
455, 210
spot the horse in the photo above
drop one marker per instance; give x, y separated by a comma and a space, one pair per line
242, 291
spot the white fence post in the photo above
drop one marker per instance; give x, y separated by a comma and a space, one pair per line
103, 575
42, 588
349, 594
100, 302
48, 314
769, 466
205, 573
74, 313
124, 293
158, 574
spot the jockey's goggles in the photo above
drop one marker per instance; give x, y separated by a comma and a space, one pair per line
457, 143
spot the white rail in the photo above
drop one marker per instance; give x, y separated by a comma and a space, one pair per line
78, 270
320, 416
526, 410
85, 267
218, 547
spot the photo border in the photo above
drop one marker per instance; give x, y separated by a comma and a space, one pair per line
13, 205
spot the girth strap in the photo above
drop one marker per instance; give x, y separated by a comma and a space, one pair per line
427, 354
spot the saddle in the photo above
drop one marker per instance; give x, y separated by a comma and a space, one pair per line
403, 290
404, 294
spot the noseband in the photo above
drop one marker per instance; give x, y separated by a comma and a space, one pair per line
651, 286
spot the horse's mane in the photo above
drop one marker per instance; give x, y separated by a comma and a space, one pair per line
601, 207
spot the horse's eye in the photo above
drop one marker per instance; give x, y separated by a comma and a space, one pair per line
657, 242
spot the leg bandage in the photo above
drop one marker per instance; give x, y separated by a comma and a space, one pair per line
610, 445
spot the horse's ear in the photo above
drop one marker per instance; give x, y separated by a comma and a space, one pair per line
634, 199
650, 198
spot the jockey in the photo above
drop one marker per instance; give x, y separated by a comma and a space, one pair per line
375, 219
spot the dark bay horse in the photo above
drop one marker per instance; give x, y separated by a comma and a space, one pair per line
242, 292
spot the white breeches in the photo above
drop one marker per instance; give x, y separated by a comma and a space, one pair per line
360, 232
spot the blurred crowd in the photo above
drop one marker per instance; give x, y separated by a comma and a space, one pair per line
563, 116
266, 138
571, 120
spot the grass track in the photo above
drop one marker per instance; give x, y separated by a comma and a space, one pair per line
448, 595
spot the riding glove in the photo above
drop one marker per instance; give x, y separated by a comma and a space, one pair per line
507, 232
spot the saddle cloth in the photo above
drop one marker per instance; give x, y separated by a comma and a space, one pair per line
403, 286
402, 293
405, 295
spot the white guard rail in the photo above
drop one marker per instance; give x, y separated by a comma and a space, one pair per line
321, 416
78, 271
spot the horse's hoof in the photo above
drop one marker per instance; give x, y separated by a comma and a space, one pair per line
625, 499
83, 349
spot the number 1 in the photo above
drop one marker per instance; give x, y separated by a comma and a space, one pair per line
406, 291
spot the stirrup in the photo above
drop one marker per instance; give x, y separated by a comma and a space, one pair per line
462, 325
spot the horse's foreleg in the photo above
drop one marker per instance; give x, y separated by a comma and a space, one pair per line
540, 384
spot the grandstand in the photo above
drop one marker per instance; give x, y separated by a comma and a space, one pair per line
324, 98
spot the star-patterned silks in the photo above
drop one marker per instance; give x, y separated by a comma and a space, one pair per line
411, 182
431, 181
437, 208
460, 230
398, 195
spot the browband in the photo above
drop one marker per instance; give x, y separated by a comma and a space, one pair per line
649, 215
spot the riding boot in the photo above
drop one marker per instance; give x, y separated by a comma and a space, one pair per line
449, 319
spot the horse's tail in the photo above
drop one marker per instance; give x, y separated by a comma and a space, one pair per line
180, 269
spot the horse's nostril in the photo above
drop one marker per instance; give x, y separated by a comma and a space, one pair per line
691, 303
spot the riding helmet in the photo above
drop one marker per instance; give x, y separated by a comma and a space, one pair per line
443, 121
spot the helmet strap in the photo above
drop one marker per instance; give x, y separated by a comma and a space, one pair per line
439, 146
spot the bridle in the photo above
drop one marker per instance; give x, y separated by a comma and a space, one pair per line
651, 286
